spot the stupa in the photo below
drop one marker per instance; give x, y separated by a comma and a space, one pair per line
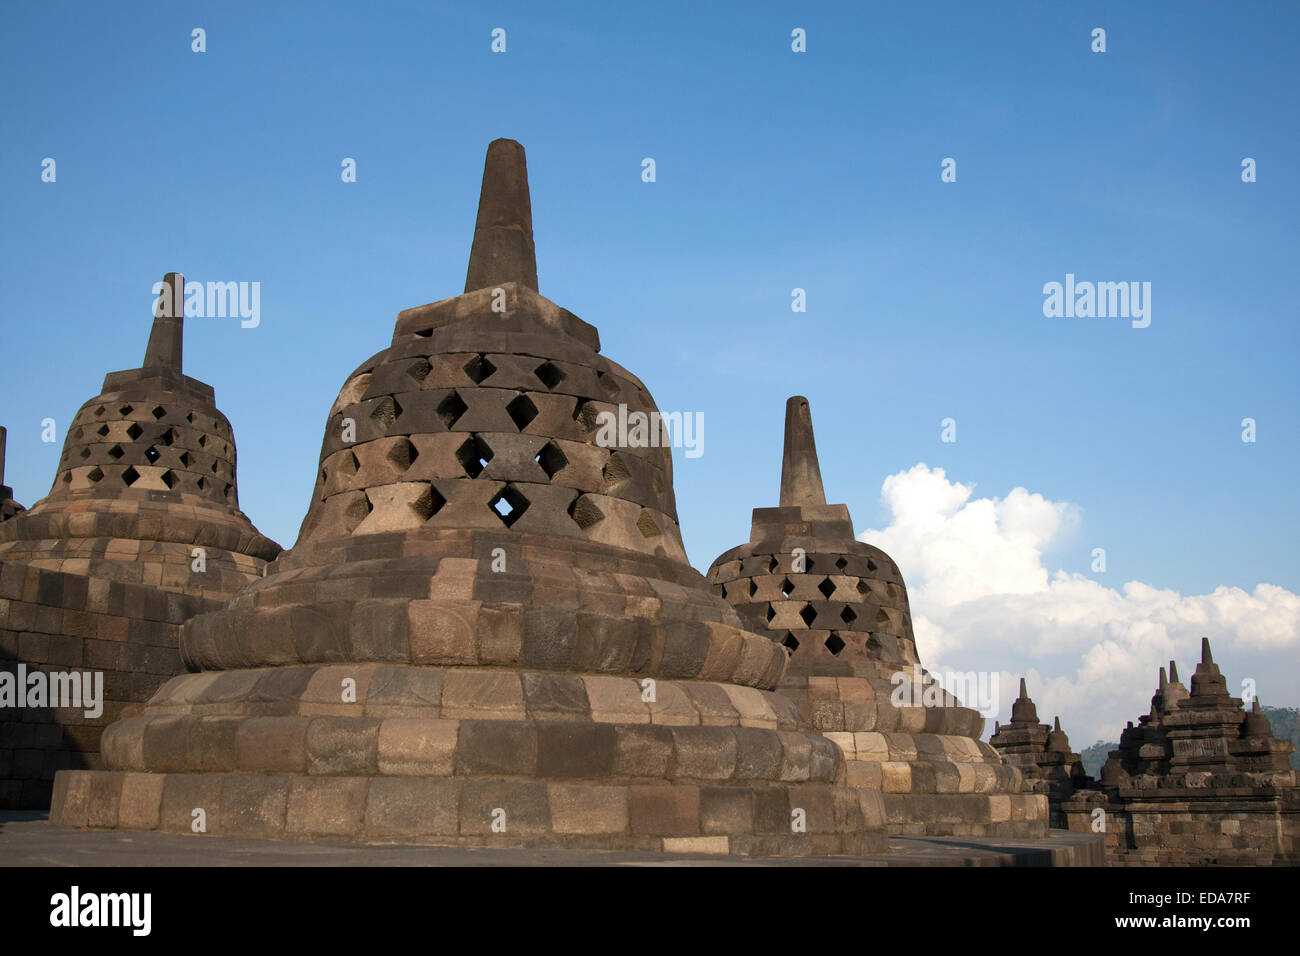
1199, 780
487, 632
8, 507
147, 476
140, 532
839, 608
1042, 755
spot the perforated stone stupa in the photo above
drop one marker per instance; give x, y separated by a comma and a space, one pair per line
487, 632
1198, 780
97, 578
146, 476
839, 608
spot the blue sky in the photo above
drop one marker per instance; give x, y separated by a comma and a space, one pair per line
775, 170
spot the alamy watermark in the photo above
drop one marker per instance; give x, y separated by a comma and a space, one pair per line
83, 690
975, 689
1101, 300
651, 430
217, 300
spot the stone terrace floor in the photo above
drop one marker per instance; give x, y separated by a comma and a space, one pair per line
27, 839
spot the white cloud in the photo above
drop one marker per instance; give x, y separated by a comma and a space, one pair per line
983, 599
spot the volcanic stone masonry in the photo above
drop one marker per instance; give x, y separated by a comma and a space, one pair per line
1042, 754
839, 608
98, 576
487, 632
1199, 780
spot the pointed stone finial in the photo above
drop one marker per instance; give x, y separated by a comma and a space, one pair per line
801, 476
164, 349
1163, 682
1023, 691
1173, 672
1254, 706
503, 248
4, 432
1205, 651
1057, 725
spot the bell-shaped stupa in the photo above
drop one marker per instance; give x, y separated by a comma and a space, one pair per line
147, 477
838, 606
487, 632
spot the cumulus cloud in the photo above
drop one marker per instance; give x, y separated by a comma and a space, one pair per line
984, 598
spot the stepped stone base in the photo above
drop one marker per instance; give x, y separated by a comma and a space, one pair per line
936, 776
430, 754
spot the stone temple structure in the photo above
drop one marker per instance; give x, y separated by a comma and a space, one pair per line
839, 608
1198, 780
487, 632
1042, 754
8, 507
140, 532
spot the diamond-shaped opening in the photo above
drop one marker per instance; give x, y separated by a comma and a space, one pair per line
834, 644
168, 478
827, 587
151, 453
521, 411
584, 512
402, 454
134, 431
159, 412
616, 473
67, 477
771, 565
787, 587
385, 413
791, 642
203, 441
847, 616
190, 418
479, 368
185, 459
125, 410
429, 503
863, 587
419, 369
841, 564
551, 459
167, 437
350, 464
871, 566
882, 617
549, 374
808, 615
808, 565
451, 408
100, 411
229, 491
215, 463
771, 613
102, 431
130, 476
646, 525
608, 384
509, 504
85, 453
753, 588
584, 415
474, 455
116, 452
77, 432
95, 474
202, 483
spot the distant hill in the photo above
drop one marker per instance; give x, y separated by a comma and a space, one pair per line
1095, 756
1286, 725
1285, 721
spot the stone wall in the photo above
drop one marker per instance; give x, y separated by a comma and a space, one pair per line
52, 621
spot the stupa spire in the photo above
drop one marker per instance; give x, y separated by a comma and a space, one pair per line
801, 476
165, 338
503, 248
